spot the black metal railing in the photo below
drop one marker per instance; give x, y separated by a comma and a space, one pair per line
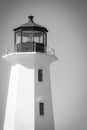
30, 47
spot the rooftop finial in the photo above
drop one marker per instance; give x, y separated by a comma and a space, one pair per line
31, 18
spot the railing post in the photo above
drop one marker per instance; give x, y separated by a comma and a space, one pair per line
50, 50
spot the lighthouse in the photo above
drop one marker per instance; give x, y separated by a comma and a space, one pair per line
29, 100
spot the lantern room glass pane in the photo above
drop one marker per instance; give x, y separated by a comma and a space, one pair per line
27, 36
38, 37
18, 37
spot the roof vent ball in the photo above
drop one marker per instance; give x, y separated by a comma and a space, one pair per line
30, 18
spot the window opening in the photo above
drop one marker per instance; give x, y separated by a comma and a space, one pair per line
40, 75
41, 108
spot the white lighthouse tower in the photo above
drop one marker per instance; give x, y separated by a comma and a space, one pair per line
29, 100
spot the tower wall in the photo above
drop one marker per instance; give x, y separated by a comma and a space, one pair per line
9, 122
24, 118
43, 93
20, 102
26, 92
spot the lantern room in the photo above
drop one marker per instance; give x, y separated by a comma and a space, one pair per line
30, 37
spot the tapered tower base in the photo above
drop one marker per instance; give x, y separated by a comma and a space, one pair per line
26, 92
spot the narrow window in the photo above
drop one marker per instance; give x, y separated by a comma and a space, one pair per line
41, 108
40, 75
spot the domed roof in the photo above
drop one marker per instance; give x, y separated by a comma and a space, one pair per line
31, 25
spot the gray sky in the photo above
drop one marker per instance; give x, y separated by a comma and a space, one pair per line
66, 21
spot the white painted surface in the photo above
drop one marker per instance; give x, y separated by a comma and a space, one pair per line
24, 119
29, 90
9, 122
43, 93
28, 59
20, 101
